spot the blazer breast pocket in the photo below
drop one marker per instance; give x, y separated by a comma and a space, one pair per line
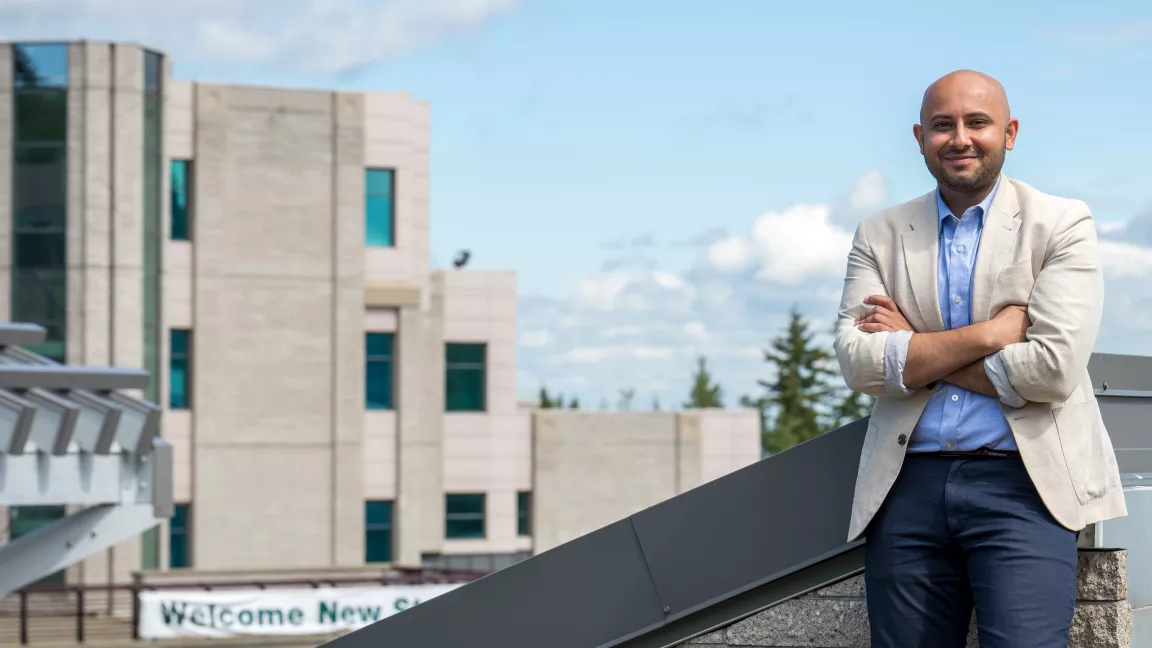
1013, 286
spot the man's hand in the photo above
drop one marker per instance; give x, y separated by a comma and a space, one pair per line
1010, 326
883, 316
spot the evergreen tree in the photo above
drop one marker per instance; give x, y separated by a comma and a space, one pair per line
546, 401
574, 404
626, 396
794, 398
655, 404
704, 393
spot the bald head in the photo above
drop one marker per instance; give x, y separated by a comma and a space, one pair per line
974, 87
965, 130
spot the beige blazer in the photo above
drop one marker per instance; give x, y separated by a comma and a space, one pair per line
1036, 250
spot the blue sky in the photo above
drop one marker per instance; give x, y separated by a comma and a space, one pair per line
617, 154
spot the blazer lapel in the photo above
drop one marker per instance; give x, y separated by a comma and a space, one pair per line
996, 241
921, 242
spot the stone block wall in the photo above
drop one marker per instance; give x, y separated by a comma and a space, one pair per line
836, 616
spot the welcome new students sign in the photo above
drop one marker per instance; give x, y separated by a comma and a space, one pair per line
196, 613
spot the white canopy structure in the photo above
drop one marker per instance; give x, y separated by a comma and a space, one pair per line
69, 436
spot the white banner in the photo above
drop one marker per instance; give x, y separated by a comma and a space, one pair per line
229, 613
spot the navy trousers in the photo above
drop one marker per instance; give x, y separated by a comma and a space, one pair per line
958, 533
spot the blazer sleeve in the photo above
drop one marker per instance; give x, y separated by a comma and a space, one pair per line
862, 355
1065, 307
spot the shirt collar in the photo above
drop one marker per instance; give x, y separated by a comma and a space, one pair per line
942, 209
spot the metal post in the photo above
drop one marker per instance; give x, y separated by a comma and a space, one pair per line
23, 617
135, 591
79, 615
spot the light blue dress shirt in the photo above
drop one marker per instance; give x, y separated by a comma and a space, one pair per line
956, 418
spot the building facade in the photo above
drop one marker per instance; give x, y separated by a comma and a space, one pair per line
332, 400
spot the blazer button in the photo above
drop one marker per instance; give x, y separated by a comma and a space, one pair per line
902, 439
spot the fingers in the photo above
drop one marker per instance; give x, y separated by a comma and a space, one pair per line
876, 327
881, 300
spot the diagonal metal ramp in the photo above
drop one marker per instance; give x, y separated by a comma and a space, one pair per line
708, 557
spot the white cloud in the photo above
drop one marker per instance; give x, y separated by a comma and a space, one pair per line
1122, 260
731, 253
319, 37
799, 243
535, 339
869, 192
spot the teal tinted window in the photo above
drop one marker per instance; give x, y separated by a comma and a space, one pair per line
40, 65
180, 173
379, 207
179, 369
524, 513
377, 531
152, 177
464, 369
41, 116
378, 371
39, 193
179, 539
23, 520
464, 515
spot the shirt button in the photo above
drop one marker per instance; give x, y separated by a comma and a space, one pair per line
960, 249
956, 299
947, 446
955, 397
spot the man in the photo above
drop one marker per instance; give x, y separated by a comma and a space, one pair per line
971, 313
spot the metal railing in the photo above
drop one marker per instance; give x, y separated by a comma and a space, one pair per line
64, 612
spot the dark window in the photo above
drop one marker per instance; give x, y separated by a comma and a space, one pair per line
379, 207
40, 65
378, 369
180, 178
464, 377
23, 520
152, 176
39, 290
180, 370
465, 515
524, 513
179, 538
42, 116
377, 531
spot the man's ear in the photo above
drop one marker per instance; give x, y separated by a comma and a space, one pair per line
918, 133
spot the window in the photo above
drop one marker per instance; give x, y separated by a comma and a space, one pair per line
379, 207
524, 513
179, 369
465, 516
464, 369
39, 192
152, 170
40, 65
377, 531
178, 538
180, 174
378, 371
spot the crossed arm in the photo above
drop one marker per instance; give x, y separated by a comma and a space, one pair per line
1040, 350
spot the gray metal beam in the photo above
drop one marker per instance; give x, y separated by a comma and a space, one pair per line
68, 541
22, 334
70, 377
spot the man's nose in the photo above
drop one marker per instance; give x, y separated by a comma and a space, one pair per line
961, 140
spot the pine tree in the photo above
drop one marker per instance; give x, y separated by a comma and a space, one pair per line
794, 398
546, 401
626, 395
655, 404
574, 403
704, 393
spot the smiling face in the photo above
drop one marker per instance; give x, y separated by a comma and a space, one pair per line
965, 132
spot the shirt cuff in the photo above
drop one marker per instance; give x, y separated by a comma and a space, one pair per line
994, 368
895, 357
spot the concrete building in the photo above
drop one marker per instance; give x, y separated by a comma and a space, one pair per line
331, 399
